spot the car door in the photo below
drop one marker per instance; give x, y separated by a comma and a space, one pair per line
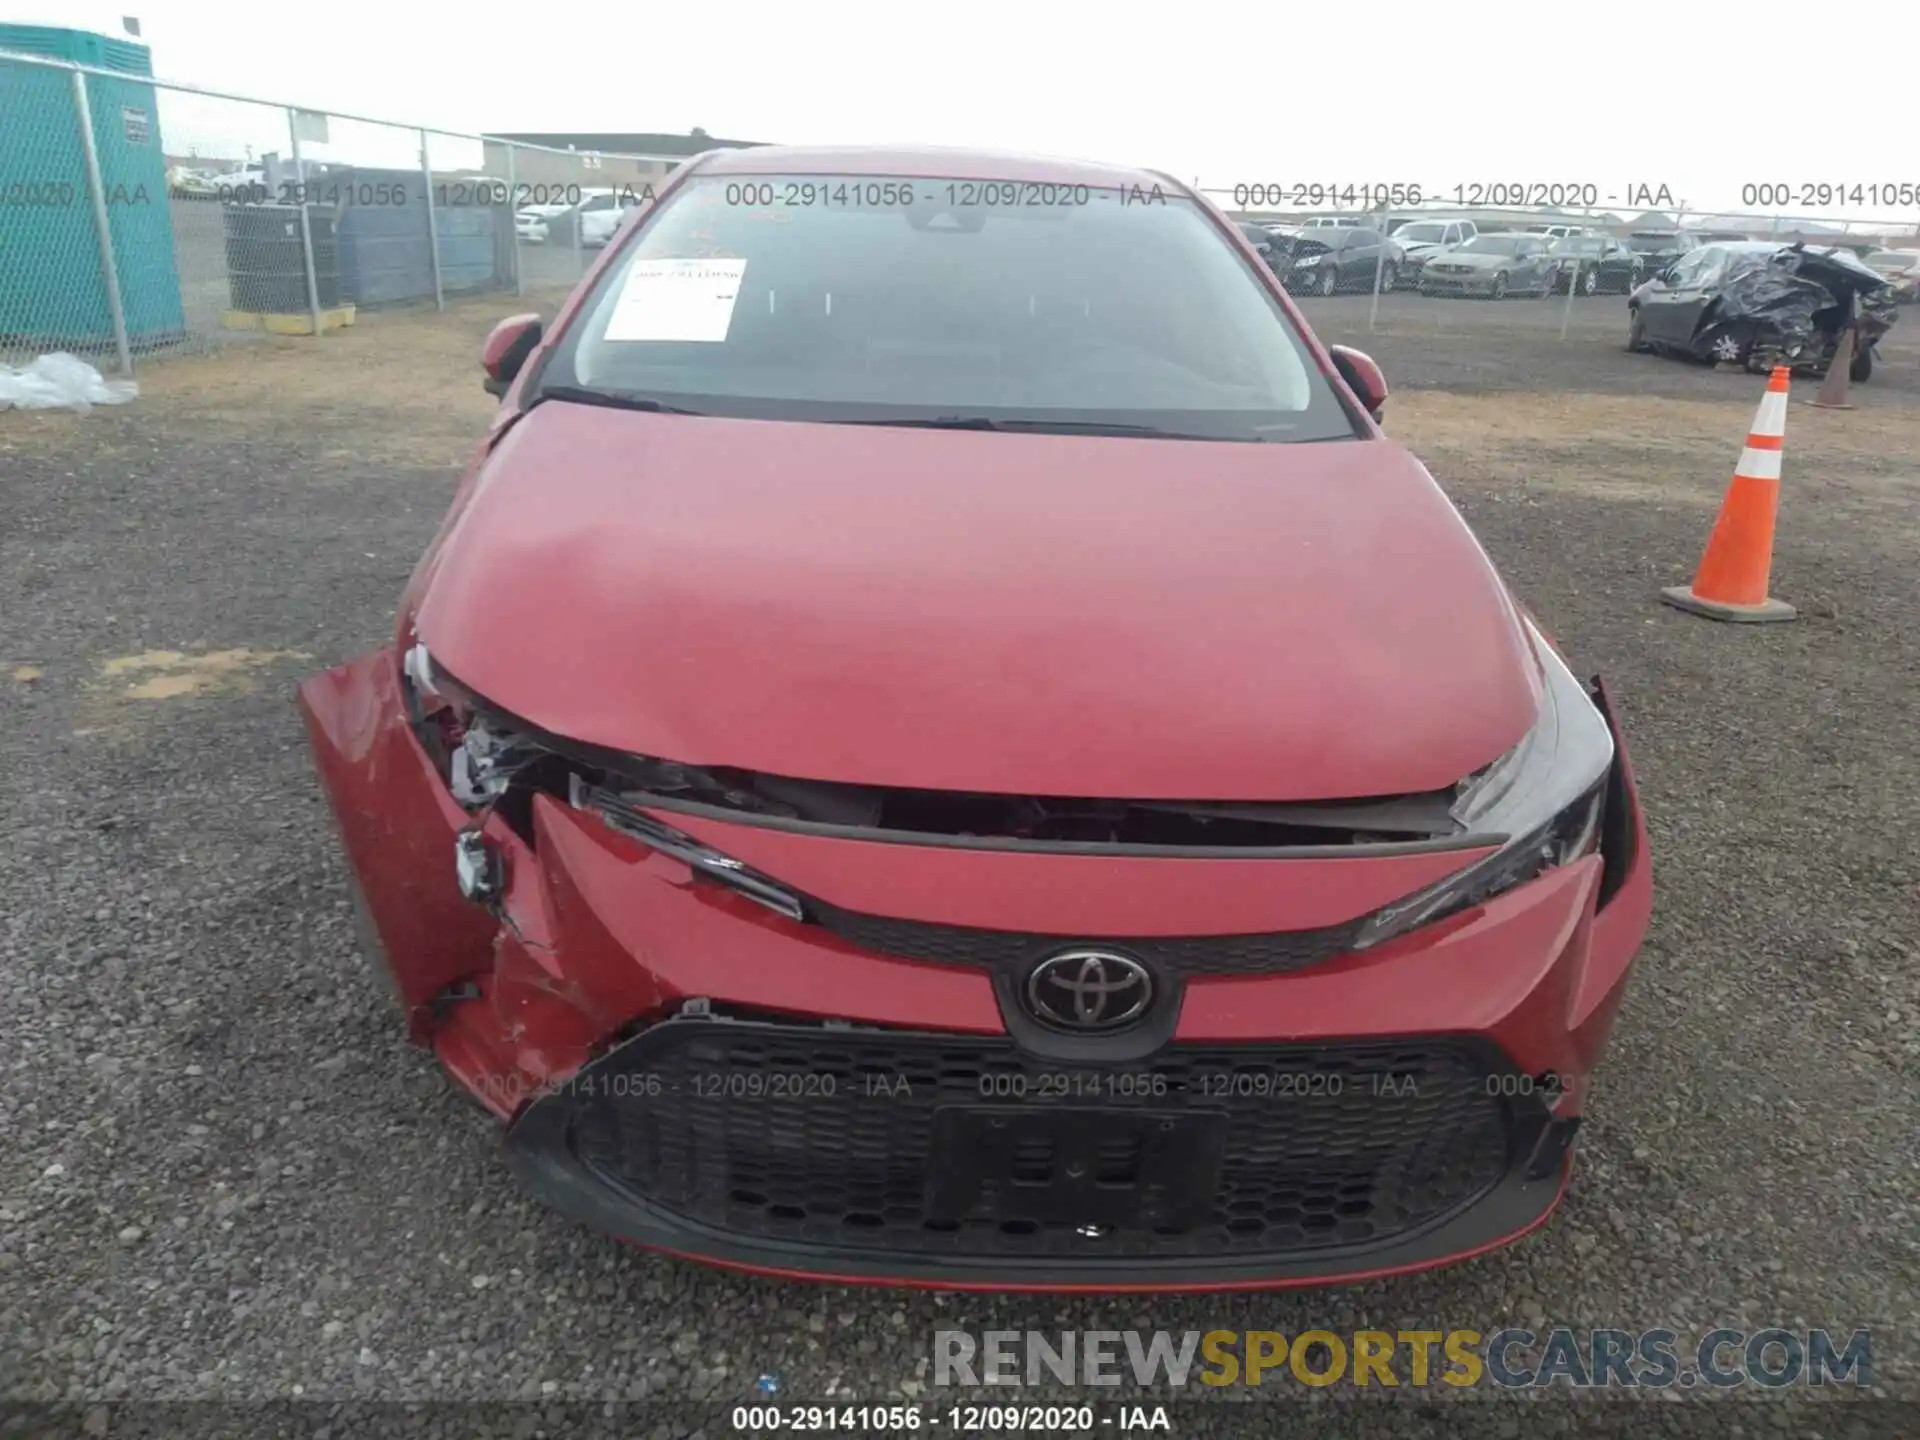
1623, 266
1528, 263
1342, 257
1671, 309
604, 210
1362, 254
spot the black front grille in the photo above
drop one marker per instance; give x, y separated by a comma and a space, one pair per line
1014, 950
838, 1138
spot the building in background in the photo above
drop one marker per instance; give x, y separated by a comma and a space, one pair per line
612, 160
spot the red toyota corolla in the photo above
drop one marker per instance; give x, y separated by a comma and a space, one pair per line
940, 744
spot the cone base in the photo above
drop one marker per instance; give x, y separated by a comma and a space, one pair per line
1681, 597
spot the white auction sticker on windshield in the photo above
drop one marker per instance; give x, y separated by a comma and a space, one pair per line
677, 300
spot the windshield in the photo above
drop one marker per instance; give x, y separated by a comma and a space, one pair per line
1421, 231
1490, 245
1581, 245
842, 298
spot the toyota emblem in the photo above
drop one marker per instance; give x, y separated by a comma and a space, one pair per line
1089, 990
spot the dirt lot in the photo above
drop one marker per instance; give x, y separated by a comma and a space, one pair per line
228, 1178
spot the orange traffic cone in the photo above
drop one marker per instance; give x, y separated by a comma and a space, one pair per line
1731, 583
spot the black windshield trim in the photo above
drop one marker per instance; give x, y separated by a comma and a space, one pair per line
611, 399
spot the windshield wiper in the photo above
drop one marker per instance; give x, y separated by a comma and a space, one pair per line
613, 399
1040, 427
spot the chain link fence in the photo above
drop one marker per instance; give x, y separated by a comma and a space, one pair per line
1581, 263
139, 217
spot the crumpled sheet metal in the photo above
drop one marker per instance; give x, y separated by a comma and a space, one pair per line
1780, 298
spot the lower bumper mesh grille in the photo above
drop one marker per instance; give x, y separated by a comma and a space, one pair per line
946, 1146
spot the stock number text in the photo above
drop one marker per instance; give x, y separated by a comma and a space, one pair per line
857, 1419
1272, 193
1822, 192
899, 194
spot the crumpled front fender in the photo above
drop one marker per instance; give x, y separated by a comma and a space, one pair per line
394, 820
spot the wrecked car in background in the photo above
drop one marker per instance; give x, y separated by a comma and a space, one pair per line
1421, 240
1902, 269
1759, 304
939, 742
1327, 259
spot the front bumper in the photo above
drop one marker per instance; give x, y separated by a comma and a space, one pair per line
693, 1073
1444, 284
856, 1155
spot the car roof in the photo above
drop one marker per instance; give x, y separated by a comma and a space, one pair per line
930, 162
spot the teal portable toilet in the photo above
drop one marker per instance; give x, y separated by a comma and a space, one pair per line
53, 294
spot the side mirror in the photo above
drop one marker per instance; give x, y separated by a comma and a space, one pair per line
508, 345
1363, 377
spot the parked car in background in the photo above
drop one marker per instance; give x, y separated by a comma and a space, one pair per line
1902, 269
532, 224
1596, 265
1270, 245
1660, 248
1759, 304
598, 216
1555, 232
1495, 264
1326, 260
591, 219
190, 182
1421, 240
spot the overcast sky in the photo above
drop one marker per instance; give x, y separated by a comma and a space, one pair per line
1519, 91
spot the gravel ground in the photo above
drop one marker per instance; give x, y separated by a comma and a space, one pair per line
228, 1179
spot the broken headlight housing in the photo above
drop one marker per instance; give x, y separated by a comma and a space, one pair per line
492, 761
478, 751
1542, 800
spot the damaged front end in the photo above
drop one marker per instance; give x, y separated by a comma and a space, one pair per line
534, 897
1791, 307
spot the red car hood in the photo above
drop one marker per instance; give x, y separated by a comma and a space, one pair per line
1021, 614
